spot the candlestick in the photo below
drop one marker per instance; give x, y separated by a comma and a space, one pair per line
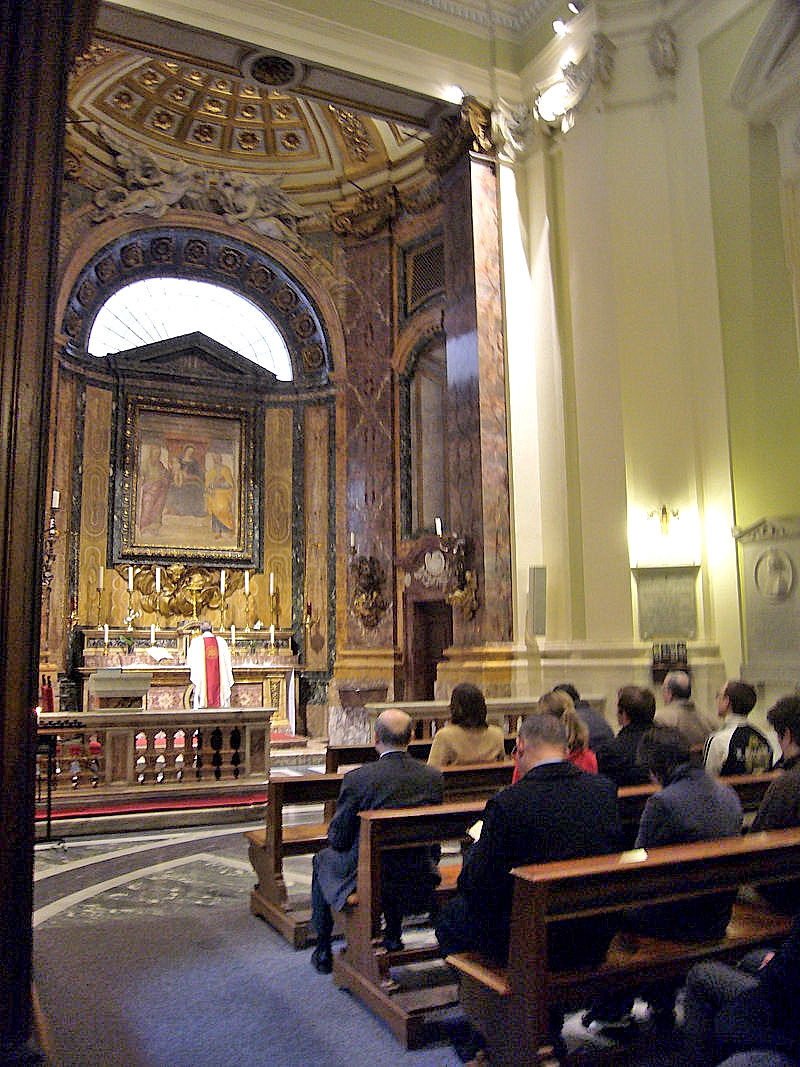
158, 579
130, 579
222, 582
247, 583
271, 583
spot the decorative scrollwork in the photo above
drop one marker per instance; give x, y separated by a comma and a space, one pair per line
369, 579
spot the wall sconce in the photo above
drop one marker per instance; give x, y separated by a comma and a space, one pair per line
664, 516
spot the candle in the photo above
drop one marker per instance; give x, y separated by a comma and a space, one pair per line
158, 579
233, 635
247, 583
222, 582
105, 634
100, 577
152, 633
130, 579
352, 539
438, 524
272, 633
271, 582
56, 499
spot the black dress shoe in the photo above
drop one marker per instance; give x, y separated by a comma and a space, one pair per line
322, 960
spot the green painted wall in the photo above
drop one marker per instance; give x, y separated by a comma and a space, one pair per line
758, 334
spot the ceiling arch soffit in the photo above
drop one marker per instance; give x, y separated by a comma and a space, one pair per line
197, 253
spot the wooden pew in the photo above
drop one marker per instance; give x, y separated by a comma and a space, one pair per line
510, 1005
363, 965
270, 844
338, 756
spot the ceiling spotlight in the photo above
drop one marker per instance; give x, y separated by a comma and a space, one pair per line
576, 6
559, 27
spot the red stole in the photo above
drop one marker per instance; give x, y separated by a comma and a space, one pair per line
211, 650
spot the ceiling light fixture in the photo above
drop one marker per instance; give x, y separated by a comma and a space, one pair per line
559, 27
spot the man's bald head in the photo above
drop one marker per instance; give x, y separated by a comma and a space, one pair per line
392, 729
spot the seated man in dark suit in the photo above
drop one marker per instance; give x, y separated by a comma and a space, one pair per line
636, 709
396, 780
600, 733
554, 812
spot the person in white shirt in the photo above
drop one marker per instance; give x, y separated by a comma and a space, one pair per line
739, 747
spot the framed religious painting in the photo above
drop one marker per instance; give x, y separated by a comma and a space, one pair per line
187, 484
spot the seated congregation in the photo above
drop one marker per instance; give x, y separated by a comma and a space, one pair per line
589, 926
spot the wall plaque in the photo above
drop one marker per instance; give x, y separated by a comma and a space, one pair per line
667, 599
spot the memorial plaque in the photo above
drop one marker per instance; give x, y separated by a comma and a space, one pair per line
667, 598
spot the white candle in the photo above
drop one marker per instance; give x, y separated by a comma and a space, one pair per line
222, 582
438, 524
247, 583
272, 633
352, 539
105, 634
56, 499
271, 582
233, 635
152, 633
100, 577
158, 579
130, 579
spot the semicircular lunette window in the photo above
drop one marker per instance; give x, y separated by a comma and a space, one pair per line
156, 309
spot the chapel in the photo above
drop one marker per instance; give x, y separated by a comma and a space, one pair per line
407, 343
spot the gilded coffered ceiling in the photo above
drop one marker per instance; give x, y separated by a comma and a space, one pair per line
175, 110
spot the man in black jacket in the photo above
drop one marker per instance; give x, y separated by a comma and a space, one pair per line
554, 812
636, 709
396, 780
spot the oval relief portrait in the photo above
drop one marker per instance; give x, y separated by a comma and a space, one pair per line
774, 574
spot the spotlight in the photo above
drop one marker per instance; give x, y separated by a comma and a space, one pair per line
576, 6
559, 27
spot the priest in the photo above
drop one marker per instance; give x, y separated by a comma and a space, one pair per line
209, 663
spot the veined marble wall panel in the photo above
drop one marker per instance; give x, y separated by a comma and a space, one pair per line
316, 511
94, 517
277, 521
54, 621
370, 512
496, 525
477, 452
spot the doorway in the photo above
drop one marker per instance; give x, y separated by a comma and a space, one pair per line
431, 634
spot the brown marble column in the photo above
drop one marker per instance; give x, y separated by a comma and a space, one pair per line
370, 481
477, 444
39, 38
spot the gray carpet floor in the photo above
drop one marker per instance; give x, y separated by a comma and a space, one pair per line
146, 955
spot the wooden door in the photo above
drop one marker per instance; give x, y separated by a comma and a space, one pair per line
431, 634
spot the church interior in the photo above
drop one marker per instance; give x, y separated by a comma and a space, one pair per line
407, 343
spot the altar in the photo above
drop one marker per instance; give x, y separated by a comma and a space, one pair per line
264, 671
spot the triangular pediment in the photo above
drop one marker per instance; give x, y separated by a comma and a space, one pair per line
774, 529
194, 358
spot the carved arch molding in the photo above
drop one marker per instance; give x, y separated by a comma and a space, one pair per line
198, 254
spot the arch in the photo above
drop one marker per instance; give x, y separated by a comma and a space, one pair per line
223, 259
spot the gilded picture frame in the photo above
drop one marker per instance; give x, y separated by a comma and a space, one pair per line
185, 485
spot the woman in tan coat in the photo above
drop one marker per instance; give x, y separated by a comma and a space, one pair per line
467, 738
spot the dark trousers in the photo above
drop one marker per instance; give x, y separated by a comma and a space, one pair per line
321, 915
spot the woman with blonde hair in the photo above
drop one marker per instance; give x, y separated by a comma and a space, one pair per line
560, 705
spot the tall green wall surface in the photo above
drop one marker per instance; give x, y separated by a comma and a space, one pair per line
758, 334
